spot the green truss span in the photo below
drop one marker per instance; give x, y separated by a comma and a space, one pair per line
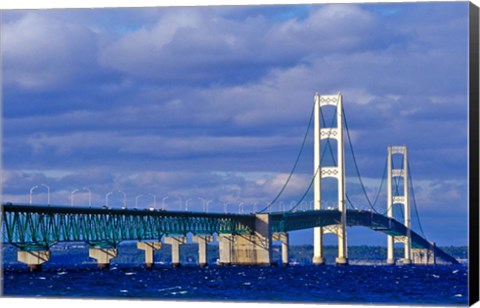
35, 227
28, 226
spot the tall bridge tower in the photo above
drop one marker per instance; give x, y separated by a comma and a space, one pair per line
402, 199
337, 172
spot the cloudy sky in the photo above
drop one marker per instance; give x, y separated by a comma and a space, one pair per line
212, 103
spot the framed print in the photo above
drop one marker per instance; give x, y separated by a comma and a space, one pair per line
301, 153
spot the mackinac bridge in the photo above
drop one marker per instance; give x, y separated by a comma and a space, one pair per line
243, 238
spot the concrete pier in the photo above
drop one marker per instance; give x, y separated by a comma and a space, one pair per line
103, 256
176, 241
283, 237
424, 256
407, 258
342, 258
33, 259
341, 261
390, 249
248, 249
318, 258
149, 248
202, 241
341, 233
225, 249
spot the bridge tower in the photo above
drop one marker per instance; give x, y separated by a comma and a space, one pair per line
337, 172
399, 199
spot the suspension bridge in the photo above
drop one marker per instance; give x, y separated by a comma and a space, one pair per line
243, 239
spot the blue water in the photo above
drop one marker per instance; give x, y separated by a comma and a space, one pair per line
365, 284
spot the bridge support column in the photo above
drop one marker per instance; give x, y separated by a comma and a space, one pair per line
176, 242
149, 248
248, 249
283, 237
225, 249
407, 259
432, 257
419, 256
424, 256
103, 256
318, 258
33, 259
202, 241
390, 250
342, 247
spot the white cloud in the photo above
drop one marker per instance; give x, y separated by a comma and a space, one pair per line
40, 52
191, 44
327, 28
157, 145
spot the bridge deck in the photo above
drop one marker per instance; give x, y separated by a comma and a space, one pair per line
284, 222
30, 226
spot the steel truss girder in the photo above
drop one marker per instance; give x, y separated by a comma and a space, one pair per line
25, 226
40, 227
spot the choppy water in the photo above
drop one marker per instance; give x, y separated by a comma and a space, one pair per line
367, 284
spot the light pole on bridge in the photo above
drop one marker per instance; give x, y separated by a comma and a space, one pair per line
106, 198
225, 203
240, 207
136, 200
31, 192
163, 202
77, 190
186, 203
205, 203
71, 196
124, 199
154, 200
37, 186
89, 195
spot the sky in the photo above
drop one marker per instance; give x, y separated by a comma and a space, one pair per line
211, 104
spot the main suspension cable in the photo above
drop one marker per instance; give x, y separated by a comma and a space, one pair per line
306, 192
319, 167
356, 165
294, 165
384, 176
414, 200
